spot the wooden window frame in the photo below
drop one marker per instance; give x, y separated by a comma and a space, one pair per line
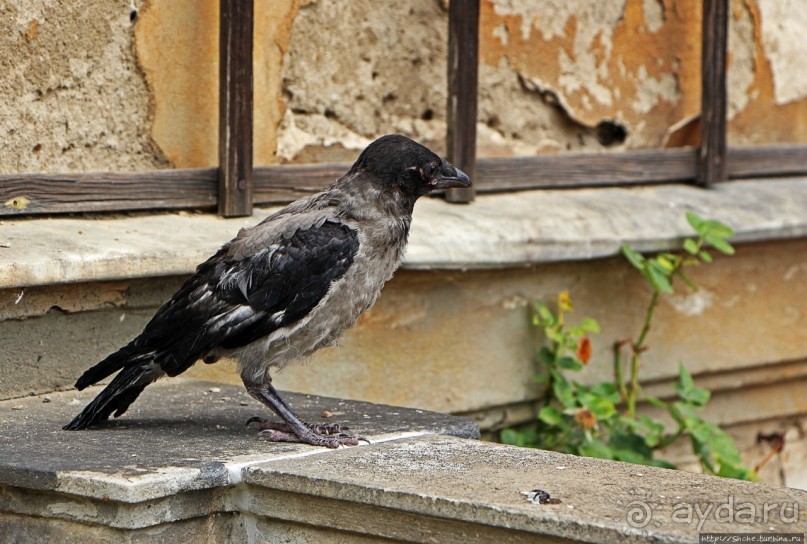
235, 186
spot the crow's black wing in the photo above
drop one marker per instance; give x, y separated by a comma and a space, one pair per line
229, 302
232, 302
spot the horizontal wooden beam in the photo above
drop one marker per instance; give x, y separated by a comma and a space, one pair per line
28, 194
762, 161
108, 191
585, 170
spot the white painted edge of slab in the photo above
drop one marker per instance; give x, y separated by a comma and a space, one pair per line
130, 487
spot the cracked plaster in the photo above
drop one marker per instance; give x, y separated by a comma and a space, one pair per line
117, 92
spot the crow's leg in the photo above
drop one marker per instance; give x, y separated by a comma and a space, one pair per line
323, 428
293, 429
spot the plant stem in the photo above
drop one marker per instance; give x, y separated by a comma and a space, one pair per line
618, 375
638, 347
550, 378
670, 438
549, 391
648, 321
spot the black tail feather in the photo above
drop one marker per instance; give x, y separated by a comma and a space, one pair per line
116, 397
111, 364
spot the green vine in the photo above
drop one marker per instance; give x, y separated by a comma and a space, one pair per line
602, 420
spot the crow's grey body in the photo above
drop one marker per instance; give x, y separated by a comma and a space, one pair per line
284, 288
381, 243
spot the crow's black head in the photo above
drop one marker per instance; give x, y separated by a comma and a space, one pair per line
400, 165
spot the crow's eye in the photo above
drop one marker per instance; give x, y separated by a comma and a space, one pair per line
430, 171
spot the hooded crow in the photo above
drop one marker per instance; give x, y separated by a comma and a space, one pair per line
283, 289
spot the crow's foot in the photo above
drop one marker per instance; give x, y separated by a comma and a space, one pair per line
330, 435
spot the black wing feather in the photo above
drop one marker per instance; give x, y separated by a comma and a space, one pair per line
232, 302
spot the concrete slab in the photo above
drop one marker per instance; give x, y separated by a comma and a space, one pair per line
446, 478
182, 464
180, 435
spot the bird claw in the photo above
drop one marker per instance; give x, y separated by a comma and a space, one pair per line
331, 435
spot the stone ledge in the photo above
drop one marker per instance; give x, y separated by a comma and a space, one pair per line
502, 230
181, 435
193, 470
481, 484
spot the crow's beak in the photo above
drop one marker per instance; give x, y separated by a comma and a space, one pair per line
450, 178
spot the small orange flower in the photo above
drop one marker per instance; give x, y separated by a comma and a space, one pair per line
584, 350
585, 418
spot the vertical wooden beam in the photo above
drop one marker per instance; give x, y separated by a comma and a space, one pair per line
712, 156
463, 59
235, 107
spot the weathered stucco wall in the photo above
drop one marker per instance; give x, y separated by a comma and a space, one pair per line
72, 97
461, 341
132, 85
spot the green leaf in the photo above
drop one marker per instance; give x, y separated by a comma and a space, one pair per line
665, 262
657, 402
540, 377
601, 407
590, 325
695, 221
510, 436
563, 391
606, 390
654, 429
630, 456
719, 244
546, 356
550, 415
652, 440
705, 256
569, 363
650, 430
688, 392
686, 412
546, 315
722, 445
661, 267
580, 389
623, 442
526, 438
661, 463
690, 246
709, 442
555, 335
596, 448
632, 256
698, 396
658, 279
685, 378
728, 470
716, 228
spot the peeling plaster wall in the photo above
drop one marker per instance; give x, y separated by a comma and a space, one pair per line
177, 46
381, 69
554, 75
71, 96
88, 87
